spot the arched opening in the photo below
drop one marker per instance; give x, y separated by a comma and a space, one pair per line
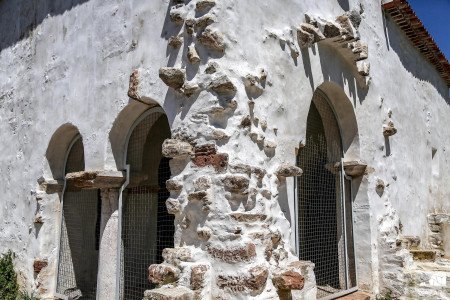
324, 202
147, 228
79, 235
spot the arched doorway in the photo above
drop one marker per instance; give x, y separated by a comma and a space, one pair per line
147, 228
324, 203
80, 228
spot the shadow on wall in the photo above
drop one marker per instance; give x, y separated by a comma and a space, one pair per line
336, 69
344, 4
19, 18
409, 57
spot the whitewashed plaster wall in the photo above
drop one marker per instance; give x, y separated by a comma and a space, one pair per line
74, 67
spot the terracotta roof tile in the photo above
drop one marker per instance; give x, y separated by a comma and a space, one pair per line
404, 16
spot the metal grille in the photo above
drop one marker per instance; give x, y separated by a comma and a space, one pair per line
78, 252
147, 228
321, 229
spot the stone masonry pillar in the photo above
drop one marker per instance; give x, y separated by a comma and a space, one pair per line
109, 226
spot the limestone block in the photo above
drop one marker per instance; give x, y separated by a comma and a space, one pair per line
192, 55
288, 280
317, 34
363, 68
246, 121
212, 40
173, 206
177, 14
233, 253
235, 183
429, 255
304, 38
39, 264
95, 179
169, 293
347, 28
162, 274
222, 85
241, 168
248, 217
211, 68
172, 77
204, 233
352, 168
286, 170
360, 49
198, 274
176, 255
189, 89
175, 41
173, 148
173, 185
204, 5
253, 84
198, 196
51, 186
202, 183
202, 22
189, 26
331, 30
389, 129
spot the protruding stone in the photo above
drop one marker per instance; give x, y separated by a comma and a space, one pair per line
360, 49
363, 68
162, 274
252, 84
202, 183
248, 217
175, 41
202, 22
352, 168
235, 183
206, 155
204, 5
175, 148
212, 40
211, 68
192, 55
189, 89
269, 145
331, 30
173, 206
177, 16
198, 196
204, 233
428, 255
253, 281
39, 264
173, 185
246, 121
389, 129
198, 276
190, 26
172, 77
222, 85
133, 85
169, 293
51, 186
234, 253
288, 280
304, 38
185, 223
286, 170
176, 255
38, 219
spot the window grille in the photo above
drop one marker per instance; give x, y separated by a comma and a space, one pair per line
78, 251
147, 228
323, 236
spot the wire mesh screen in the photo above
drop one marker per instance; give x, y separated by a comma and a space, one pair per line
320, 207
147, 228
78, 253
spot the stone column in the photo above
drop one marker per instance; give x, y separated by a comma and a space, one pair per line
109, 226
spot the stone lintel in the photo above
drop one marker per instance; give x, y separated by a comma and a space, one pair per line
95, 179
353, 168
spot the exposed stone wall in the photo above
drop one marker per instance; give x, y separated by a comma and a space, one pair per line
236, 80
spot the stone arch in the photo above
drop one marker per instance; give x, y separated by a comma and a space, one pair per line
346, 118
58, 148
122, 128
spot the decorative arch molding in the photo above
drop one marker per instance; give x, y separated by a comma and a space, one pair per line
57, 149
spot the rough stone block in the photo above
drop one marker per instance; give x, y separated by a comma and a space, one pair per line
173, 185
173, 148
173, 206
202, 22
316, 33
206, 155
212, 40
286, 170
222, 85
235, 183
253, 281
162, 274
175, 41
429, 255
176, 255
204, 5
233, 253
192, 55
172, 77
95, 179
389, 129
198, 276
169, 293
189, 88
39, 264
288, 280
248, 217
